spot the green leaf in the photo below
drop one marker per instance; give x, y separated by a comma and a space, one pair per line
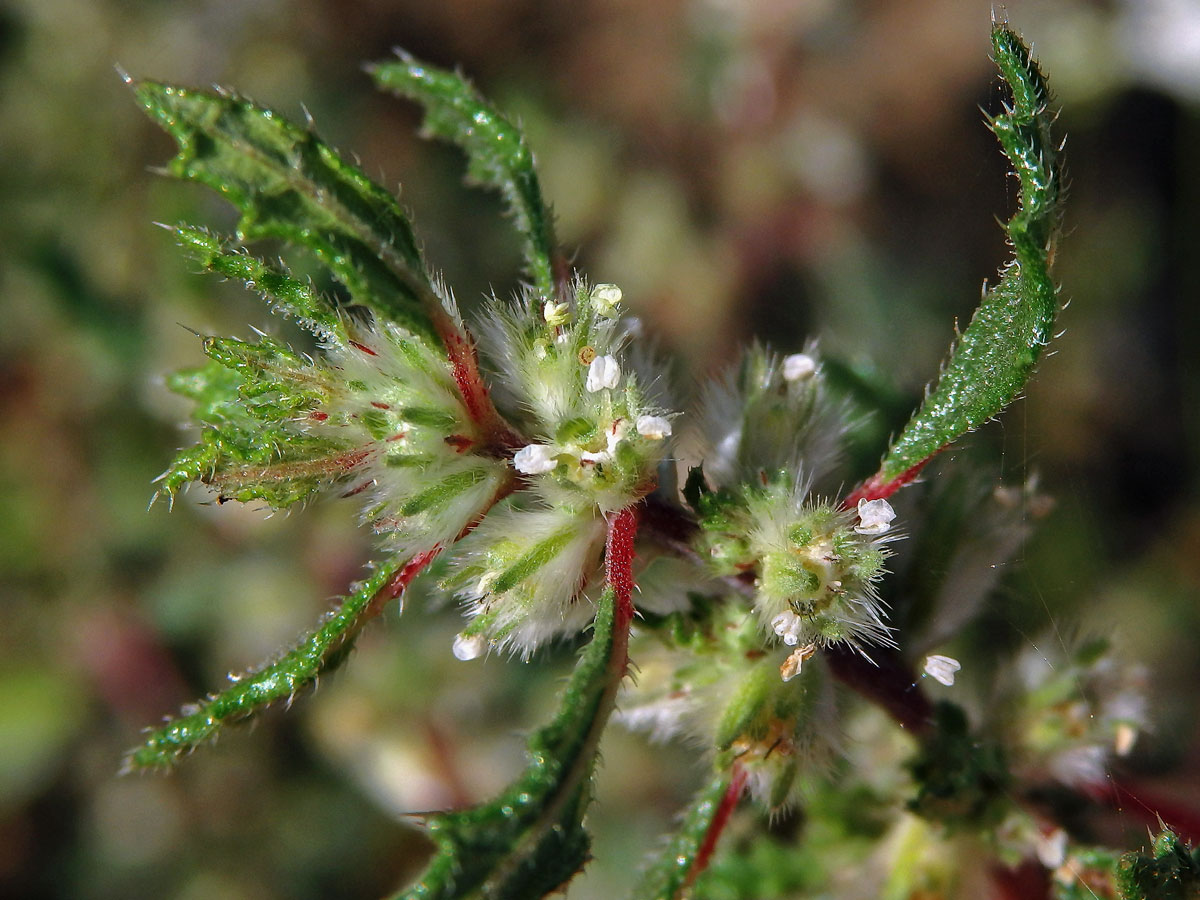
287, 184
442, 492
672, 871
316, 654
995, 356
253, 398
1172, 872
530, 840
497, 154
286, 294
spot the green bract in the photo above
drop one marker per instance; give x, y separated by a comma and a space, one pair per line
529, 459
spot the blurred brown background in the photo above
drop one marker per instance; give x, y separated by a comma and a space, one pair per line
740, 168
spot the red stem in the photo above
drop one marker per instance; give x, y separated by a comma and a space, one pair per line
561, 269
879, 488
464, 365
618, 567
400, 581
885, 680
733, 794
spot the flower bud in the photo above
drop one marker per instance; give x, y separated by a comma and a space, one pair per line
798, 367
606, 298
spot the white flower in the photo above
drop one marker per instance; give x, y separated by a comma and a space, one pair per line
798, 367
469, 647
942, 668
604, 372
606, 298
556, 313
534, 459
654, 427
875, 516
788, 625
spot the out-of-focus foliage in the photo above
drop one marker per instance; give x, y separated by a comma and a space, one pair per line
739, 169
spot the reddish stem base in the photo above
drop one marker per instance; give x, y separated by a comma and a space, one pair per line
879, 488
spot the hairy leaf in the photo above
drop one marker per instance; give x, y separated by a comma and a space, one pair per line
253, 399
316, 654
497, 154
287, 184
995, 356
286, 294
530, 840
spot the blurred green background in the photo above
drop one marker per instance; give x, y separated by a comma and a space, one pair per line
781, 168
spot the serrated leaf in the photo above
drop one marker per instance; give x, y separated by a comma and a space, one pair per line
288, 184
252, 398
316, 654
497, 154
530, 840
995, 356
286, 294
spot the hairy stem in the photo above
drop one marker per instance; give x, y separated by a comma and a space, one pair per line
729, 802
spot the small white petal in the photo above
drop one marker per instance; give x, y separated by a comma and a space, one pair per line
788, 626
654, 427
942, 668
604, 372
875, 516
798, 367
606, 298
534, 459
601, 456
471, 647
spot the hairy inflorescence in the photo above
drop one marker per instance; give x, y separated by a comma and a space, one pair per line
540, 453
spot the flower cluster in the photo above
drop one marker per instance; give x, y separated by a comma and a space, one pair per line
1072, 707
816, 581
525, 462
377, 414
814, 565
421, 474
716, 686
598, 438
